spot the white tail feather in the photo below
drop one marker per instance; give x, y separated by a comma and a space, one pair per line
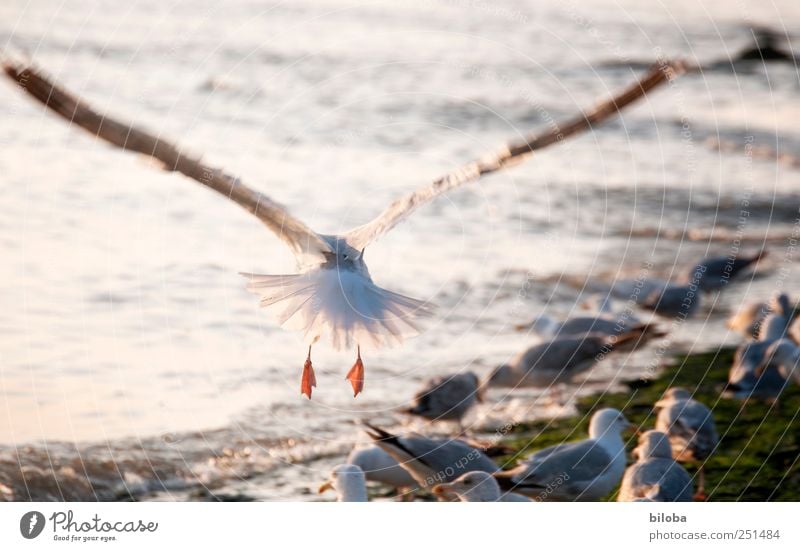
343, 305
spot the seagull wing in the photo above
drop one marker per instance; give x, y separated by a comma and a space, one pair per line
508, 155
292, 231
582, 461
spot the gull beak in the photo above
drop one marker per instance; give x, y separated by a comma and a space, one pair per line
441, 489
522, 327
325, 486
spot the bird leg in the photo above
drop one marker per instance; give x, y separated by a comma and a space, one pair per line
356, 374
700, 495
308, 381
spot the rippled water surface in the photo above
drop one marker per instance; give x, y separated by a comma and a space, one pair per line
132, 360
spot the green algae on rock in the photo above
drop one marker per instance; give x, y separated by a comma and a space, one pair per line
758, 457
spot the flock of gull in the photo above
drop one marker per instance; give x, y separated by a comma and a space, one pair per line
462, 468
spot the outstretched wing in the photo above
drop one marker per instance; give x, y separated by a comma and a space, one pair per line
297, 235
510, 154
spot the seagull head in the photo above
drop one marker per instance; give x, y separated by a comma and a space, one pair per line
672, 395
472, 486
607, 422
348, 481
342, 255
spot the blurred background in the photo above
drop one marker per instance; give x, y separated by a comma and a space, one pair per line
133, 361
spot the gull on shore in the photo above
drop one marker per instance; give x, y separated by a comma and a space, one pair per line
558, 361
655, 476
751, 374
379, 466
690, 427
447, 398
682, 297
716, 272
586, 470
431, 461
604, 324
662, 297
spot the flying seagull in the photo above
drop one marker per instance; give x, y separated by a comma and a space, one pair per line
332, 295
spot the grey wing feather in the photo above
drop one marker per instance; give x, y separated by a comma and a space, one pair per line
444, 396
135, 139
430, 460
672, 482
582, 461
582, 325
508, 155
692, 423
561, 354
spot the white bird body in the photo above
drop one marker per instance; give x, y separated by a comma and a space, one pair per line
379, 466
689, 425
784, 355
575, 471
656, 476
752, 372
431, 460
336, 297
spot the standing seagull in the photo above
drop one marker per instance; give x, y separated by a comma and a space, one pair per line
431, 461
447, 398
691, 430
655, 476
332, 295
714, 273
574, 471
558, 361
751, 374
600, 324
379, 466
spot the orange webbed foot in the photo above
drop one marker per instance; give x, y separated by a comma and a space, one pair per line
356, 375
308, 380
